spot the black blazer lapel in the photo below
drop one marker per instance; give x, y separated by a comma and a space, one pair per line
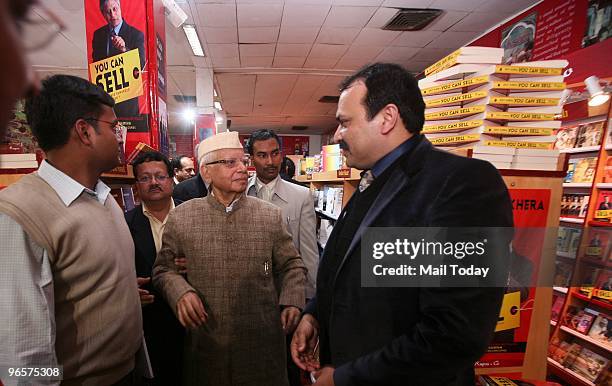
143, 240
399, 180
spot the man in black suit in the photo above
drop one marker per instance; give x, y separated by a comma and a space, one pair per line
115, 38
399, 336
163, 333
193, 187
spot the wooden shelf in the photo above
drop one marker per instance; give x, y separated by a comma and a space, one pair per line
586, 149
577, 185
567, 374
563, 290
330, 176
606, 185
609, 147
593, 301
573, 220
599, 224
586, 338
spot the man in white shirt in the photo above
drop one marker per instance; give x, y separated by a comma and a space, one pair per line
163, 333
296, 204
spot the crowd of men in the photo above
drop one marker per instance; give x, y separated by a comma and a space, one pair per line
204, 282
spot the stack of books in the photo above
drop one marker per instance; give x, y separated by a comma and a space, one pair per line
18, 161
474, 101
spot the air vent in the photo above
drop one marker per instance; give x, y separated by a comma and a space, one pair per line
189, 99
299, 128
329, 99
412, 19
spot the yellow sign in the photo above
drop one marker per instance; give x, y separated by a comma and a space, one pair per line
452, 126
519, 144
540, 86
455, 139
454, 113
119, 75
603, 214
524, 101
524, 70
516, 130
510, 116
456, 98
603, 294
594, 251
510, 312
455, 85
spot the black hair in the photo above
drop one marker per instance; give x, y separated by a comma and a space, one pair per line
102, 2
389, 83
176, 161
261, 135
151, 156
63, 99
287, 169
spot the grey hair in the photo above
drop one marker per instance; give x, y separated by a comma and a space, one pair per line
102, 2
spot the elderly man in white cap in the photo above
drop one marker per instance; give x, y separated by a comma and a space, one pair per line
245, 281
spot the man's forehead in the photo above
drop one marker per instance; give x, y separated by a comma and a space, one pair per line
269, 144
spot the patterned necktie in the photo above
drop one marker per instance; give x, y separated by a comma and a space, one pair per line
366, 179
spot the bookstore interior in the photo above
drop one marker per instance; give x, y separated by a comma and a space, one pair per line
524, 85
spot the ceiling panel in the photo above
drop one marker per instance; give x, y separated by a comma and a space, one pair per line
358, 3
396, 54
362, 52
505, 6
416, 66
259, 15
290, 49
328, 51
352, 63
448, 19
238, 92
259, 1
322, 63
479, 22
217, 15
257, 49
434, 54
298, 35
407, 3
184, 81
345, 17
452, 39
457, 5
332, 35
226, 62
415, 38
295, 15
309, 2
375, 36
288, 61
381, 17
218, 51
256, 61
257, 34
303, 90
271, 92
220, 34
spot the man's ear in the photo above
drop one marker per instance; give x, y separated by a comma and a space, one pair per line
389, 115
206, 175
83, 131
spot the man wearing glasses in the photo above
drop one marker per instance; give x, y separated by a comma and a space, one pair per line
70, 296
163, 333
246, 280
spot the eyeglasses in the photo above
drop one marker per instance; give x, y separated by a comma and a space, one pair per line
146, 179
117, 128
232, 162
39, 27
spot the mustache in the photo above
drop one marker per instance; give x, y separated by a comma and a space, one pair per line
343, 145
155, 187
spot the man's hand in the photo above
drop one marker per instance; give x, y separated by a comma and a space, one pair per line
145, 296
304, 344
118, 43
190, 310
289, 319
324, 377
181, 264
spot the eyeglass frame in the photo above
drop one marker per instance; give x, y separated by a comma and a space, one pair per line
228, 163
147, 179
116, 127
49, 18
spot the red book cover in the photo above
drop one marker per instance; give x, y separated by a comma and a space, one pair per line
603, 288
603, 206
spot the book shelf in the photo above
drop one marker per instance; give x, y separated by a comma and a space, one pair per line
582, 305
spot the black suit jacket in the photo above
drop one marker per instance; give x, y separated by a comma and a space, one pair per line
415, 336
133, 39
191, 188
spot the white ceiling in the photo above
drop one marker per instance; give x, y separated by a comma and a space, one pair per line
274, 59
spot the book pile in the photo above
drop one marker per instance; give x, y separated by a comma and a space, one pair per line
557, 306
578, 359
18, 161
596, 282
574, 205
331, 158
579, 137
581, 170
328, 200
473, 101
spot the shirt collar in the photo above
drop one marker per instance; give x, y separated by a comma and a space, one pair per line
146, 211
67, 188
118, 28
382, 164
230, 208
271, 185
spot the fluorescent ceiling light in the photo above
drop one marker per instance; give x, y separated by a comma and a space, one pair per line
193, 39
218, 105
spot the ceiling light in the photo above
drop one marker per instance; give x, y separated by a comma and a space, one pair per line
598, 96
193, 39
189, 115
215, 92
218, 106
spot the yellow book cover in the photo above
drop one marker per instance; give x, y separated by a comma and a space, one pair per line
526, 70
454, 85
517, 130
455, 126
456, 99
